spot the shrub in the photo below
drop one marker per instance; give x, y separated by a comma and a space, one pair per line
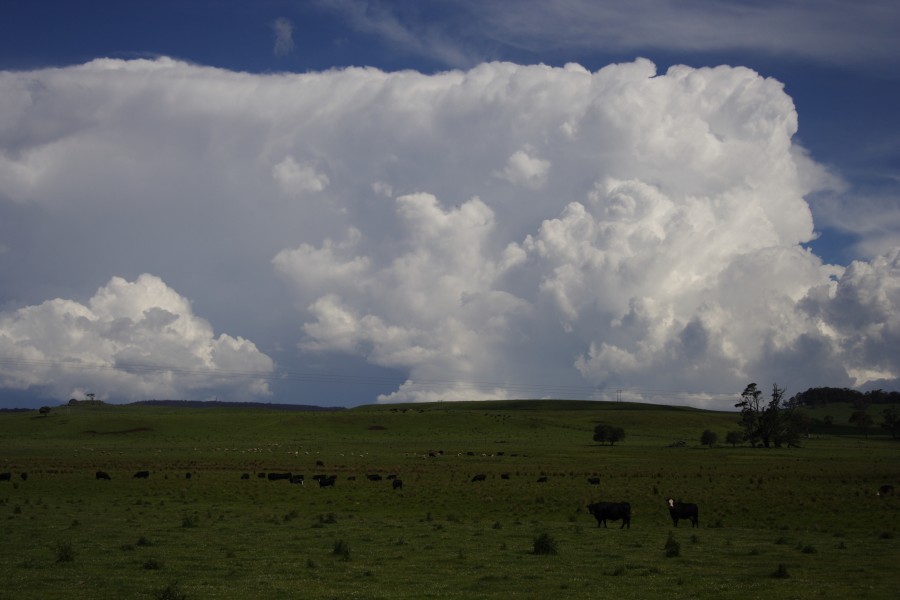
544, 544
64, 552
341, 549
781, 572
672, 547
170, 592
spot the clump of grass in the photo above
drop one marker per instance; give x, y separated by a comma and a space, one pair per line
618, 571
142, 541
64, 552
151, 564
886, 535
672, 547
189, 521
341, 549
807, 549
544, 544
328, 519
781, 572
170, 592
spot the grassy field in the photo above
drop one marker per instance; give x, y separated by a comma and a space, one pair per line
778, 523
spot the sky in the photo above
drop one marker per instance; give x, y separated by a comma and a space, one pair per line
344, 202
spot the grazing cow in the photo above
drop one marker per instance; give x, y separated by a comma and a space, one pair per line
297, 479
103, 475
542, 479
886, 490
374, 477
479, 477
187, 475
594, 480
392, 476
141, 475
612, 511
5, 476
245, 476
24, 476
397, 484
504, 475
279, 476
684, 510
319, 463
326, 481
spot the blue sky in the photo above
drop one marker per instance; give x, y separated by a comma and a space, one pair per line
314, 338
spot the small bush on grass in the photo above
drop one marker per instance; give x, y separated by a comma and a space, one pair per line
170, 592
64, 552
341, 549
672, 547
544, 544
151, 564
781, 572
189, 521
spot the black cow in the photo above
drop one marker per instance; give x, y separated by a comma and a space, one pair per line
141, 475
886, 490
5, 476
612, 511
245, 476
326, 481
479, 477
187, 475
397, 484
279, 476
504, 475
374, 477
392, 476
103, 475
594, 480
684, 510
24, 476
297, 479
542, 479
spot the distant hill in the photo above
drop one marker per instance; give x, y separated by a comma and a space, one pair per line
220, 404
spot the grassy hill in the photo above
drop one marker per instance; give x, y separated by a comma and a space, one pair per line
812, 510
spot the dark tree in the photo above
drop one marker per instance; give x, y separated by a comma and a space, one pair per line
608, 434
863, 420
44, 410
709, 438
891, 421
776, 422
734, 438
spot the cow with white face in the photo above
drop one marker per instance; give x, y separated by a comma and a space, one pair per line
683, 510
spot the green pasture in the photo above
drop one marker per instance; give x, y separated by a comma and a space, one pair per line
776, 523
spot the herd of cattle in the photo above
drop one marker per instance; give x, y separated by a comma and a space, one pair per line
601, 511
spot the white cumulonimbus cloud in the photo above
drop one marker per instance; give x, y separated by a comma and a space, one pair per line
133, 341
500, 232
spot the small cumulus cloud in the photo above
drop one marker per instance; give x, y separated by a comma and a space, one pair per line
294, 178
284, 36
130, 341
525, 170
